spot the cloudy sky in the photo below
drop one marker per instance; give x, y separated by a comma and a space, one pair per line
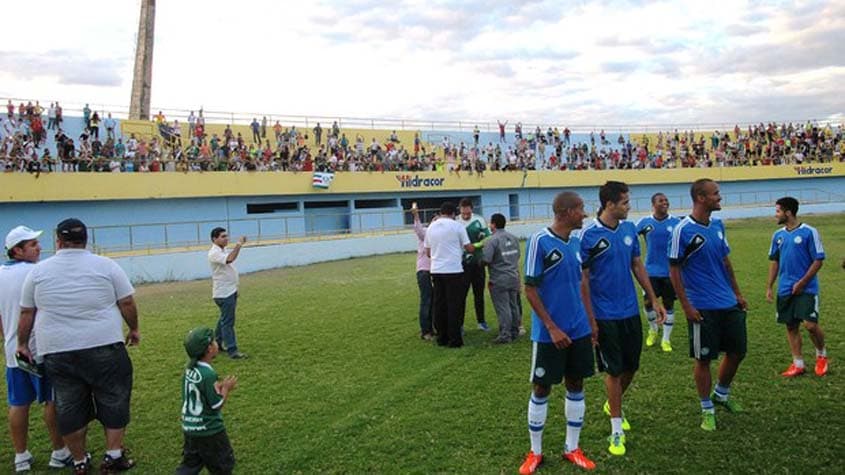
562, 62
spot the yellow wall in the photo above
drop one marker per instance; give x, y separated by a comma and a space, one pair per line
23, 187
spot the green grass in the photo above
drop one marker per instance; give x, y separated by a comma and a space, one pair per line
338, 381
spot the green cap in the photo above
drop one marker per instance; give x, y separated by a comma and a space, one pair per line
197, 341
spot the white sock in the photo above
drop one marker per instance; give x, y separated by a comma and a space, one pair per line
616, 425
651, 316
668, 325
114, 454
798, 362
821, 353
537, 410
20, 457
574, 408
61, 453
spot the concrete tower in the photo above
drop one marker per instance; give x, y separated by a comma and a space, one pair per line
142, 74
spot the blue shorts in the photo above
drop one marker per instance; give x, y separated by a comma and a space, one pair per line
25, 388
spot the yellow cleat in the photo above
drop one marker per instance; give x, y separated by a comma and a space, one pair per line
617, 444
666, 346
651, 339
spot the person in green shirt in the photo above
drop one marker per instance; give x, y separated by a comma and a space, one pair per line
205, 441
474, 274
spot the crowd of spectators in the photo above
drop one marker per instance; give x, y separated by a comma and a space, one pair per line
281, 148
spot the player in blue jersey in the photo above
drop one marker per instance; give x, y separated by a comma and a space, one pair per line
797, 254
706, 286
656, 231
611, 252
562, 333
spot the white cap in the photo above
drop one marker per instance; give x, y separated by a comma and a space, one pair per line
20, 234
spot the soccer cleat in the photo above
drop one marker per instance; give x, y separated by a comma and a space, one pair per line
651, 339
792, 371
729, 404
483, 326
708, 421
81, 468
821, 365
617, 444
531, 464
24, 465
666, 346
61, 462
578, 458
238, 355
521, 330
112, 465
625, 424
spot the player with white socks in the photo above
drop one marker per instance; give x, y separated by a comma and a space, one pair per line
562, 333
656, 230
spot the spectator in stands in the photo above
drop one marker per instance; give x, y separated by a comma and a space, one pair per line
318, 134
86, 116
80, 301
110, 124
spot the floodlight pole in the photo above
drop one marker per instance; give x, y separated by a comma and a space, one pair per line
142, 75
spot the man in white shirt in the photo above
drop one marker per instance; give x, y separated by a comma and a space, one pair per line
24, 388
77, 302
224, 280
445, 243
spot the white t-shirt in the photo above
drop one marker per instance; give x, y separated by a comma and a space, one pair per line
75, 293
12, 275
446, 238
224, 277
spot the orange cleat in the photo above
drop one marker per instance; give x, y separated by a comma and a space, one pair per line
531, 464
821, 365
578, 458
792, 371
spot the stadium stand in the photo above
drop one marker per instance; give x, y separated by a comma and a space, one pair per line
192, 144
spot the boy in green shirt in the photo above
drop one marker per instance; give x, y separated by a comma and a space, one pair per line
206, 443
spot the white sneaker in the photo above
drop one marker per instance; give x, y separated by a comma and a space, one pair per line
24, 465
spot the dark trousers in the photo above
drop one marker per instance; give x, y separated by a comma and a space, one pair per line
213, 452
474, 277
225, 332
424, 283
448, 291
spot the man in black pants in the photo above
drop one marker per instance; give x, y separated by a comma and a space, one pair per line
445, 242
474, 274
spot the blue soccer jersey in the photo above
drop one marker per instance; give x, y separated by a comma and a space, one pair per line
553, 267
795, 251
657, 234
607, 253
700, 251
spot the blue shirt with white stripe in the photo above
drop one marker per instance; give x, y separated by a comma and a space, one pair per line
795, 251
553, 267
607, 253
700, 249
657, 233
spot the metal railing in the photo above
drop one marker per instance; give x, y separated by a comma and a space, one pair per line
293, 226
398, 123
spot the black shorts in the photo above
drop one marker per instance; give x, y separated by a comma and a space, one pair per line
550, 364
91, 383
663, 290
213, 452
793, 309
720, 330
620, 345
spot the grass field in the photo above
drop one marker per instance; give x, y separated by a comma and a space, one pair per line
338, 381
